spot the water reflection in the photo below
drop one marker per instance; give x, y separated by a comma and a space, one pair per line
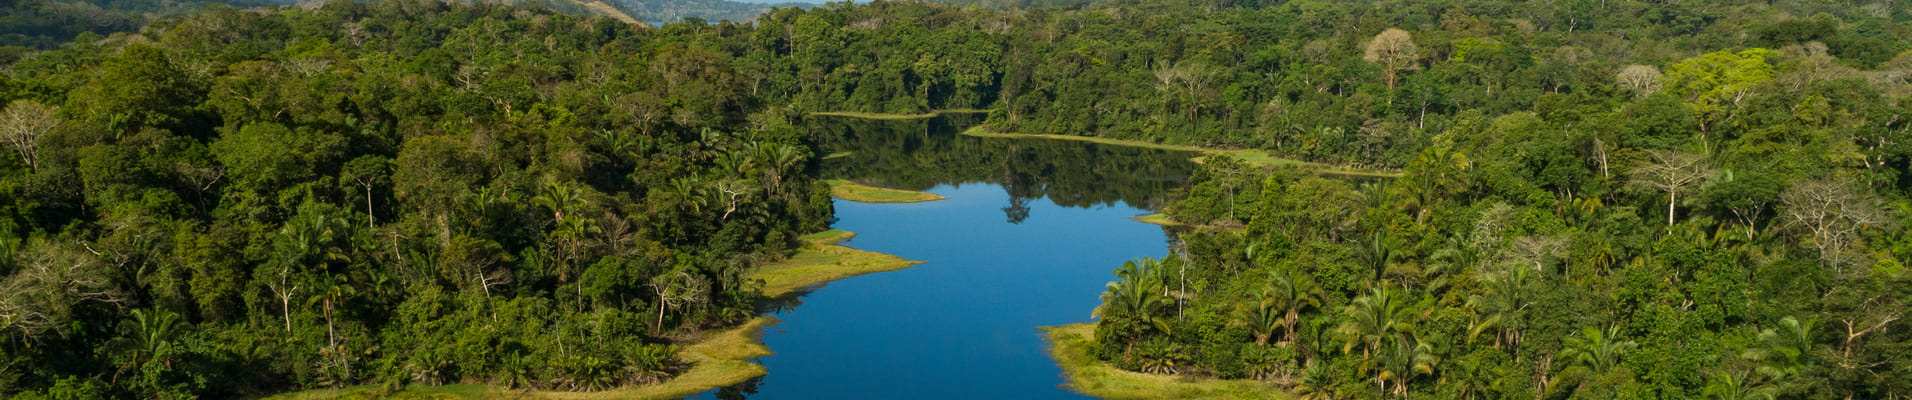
1001, 262
923, 153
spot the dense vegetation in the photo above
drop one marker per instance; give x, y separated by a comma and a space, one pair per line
1297, 77
45, 24
1600, 197
1706, 215
235, 202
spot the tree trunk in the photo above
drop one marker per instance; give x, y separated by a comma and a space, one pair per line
285, 305
1671, 196
369, 219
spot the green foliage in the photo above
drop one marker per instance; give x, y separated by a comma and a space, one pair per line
247, 203
1594, 242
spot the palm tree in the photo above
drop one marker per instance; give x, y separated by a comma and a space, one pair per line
1473, 378
1260, 315
1373, 319
1401, 361
1735, 386
1593, 353
334, 292
1293, 293
687, 194
1502, 307
560, 199
1134, 302
1783, 352
1377, 252
310, 237
776, 160
151, 333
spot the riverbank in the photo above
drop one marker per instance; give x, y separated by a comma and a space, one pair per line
1163, 220
1069, 345
718, 358
860, 193
823, 260
1252, 157
883, 116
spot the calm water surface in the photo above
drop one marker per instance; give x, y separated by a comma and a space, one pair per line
1024, 240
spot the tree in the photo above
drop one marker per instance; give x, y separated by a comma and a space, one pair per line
678, 288
1833, 213
1395, 50
22, 125
1293, 293
1672, 173
1782, 352
1734, 386
1716, 83
1593, 353
151, 334
1260, 316
54, 280
1643, 80
1374, 319
1134, 302
1502, 306
368, 171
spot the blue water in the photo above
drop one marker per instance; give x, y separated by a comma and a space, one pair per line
962, 326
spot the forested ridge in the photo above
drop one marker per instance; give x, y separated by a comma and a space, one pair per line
1674, 203
235, 203
1599, 198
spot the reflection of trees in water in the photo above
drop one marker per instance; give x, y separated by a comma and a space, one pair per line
920, 154
740, 391
1017, 210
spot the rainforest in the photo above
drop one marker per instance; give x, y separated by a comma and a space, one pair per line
1353, 199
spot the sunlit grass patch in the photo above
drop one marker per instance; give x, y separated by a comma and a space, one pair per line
1070, 344
1158, 219
860, 193
822, 261
720, 359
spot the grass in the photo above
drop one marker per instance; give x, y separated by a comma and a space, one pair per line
1163, 220
860, 193
718, 359
823, 260
609, 11
1069, 344
721, 359
1251, 157
883, 116
1158, 219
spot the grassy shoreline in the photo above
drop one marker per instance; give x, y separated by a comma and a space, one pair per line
884, 116
861, 193
1069, 345
821, 261
1250, 156
719, 358
1163, 220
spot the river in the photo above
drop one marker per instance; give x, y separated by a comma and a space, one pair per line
1027, 238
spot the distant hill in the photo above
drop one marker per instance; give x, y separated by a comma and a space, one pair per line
608, 8
659, 12
41, 24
